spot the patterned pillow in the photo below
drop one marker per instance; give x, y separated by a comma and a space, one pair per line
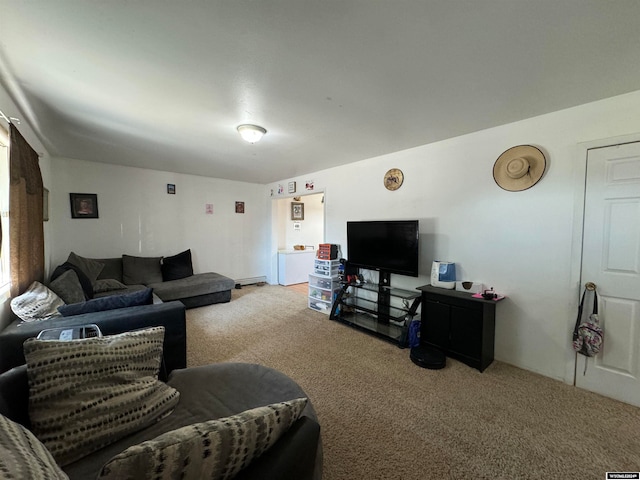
23, 456
85, 394
36, 303
68, 287
217, 449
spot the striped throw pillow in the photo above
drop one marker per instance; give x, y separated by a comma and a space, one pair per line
217, 449
85, 394
23, 456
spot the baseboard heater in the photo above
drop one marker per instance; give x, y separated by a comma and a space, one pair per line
250, 281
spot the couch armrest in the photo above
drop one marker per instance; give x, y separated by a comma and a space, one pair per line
170, 315
292, 457
14, 395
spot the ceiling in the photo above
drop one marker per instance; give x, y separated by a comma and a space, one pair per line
164, 84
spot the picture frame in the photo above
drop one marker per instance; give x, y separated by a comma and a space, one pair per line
171, 188
292, 187
297, 211
84, 205
239, 207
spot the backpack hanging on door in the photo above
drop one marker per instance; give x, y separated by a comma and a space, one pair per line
588, 335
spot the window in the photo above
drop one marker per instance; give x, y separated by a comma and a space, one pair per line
5, 277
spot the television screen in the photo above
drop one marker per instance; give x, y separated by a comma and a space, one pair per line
390, 246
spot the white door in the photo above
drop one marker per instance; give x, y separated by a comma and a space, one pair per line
611, 259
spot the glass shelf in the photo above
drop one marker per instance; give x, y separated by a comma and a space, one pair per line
371, 306
394, 292
378, 309
372, 324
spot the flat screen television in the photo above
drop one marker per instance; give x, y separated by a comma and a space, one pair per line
389, 246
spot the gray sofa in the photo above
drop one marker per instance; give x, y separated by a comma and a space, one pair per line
206, 393
170, 315
193, 291
171, 278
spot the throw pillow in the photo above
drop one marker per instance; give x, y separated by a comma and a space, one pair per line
177, 267
84, 280
67, 287
85, 394
214, 450
141, 270
107, 285
36, 303
23, 456
111, 302
89, 266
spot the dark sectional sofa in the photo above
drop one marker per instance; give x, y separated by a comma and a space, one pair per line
206, 392
195, 290
170, 315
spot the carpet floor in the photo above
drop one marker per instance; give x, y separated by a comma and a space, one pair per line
382, 417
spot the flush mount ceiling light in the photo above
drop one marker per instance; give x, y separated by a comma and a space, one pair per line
251, 133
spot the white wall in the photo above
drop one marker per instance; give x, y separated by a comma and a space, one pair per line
138, 217
525, 244
311, 232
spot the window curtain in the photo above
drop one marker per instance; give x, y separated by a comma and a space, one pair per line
26, 232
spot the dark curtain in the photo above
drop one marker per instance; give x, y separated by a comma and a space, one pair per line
26, 232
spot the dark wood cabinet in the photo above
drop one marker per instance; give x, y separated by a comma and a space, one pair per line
461, 326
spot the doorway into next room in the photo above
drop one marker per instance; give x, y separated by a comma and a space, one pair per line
299, 221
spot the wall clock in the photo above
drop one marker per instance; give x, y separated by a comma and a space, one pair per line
393, 179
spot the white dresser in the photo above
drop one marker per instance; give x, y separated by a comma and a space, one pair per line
294, 266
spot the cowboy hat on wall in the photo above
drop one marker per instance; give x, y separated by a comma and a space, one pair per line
519, 168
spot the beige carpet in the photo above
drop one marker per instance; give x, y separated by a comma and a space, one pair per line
382, 417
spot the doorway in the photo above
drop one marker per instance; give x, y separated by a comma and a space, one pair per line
611, 260
298, 220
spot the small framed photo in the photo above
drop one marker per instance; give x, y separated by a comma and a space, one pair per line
297, 211
292, 187
84, 205
239, 207
171, 188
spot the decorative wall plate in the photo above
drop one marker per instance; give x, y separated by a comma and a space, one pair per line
393, 179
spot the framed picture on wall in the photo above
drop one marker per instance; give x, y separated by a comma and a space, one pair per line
84, 205
292, 187
297, 211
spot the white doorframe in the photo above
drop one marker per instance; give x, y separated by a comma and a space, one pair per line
273, 243
580, 178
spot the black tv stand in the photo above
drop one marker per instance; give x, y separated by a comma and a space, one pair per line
375, 308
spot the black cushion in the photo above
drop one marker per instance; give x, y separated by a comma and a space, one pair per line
111, 302
14, 395
177, 267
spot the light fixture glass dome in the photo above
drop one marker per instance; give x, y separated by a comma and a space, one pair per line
251, 133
